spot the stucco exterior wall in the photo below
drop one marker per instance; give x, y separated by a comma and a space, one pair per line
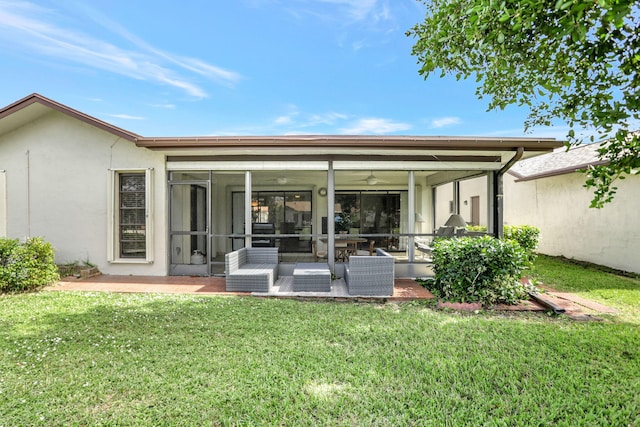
559, 206
57, 186
444, 199
470, 188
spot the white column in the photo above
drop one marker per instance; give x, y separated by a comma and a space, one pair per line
247, 208
412, 216
331, 200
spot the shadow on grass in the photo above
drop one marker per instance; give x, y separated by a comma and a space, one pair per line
83, 358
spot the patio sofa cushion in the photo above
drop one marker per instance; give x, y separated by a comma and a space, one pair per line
251, 269
370, 275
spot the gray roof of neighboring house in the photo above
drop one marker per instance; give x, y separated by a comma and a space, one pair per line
558, 162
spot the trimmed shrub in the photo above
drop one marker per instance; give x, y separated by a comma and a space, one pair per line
26, 266
480, 228
482, 269
527, 237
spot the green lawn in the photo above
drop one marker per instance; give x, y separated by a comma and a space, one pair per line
109, 359
592, 283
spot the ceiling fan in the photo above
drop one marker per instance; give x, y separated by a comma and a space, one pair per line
282, 180
372, 179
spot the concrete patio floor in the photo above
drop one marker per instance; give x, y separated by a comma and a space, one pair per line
405, 289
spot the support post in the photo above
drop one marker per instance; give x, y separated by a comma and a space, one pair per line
247, 209
331, 200
411, 216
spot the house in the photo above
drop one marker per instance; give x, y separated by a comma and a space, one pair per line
176, 205
548, 192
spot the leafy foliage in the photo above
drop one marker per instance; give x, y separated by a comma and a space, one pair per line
527, 237
26, 266
572, 60
477, 228
483, 269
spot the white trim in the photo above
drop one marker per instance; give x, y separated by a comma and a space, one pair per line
248, 166
411, 213
112, 217
148, 198
415, 166
3, 203
111, 213
322, 165
248, 196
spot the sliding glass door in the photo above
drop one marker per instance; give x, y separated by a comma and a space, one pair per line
287, 214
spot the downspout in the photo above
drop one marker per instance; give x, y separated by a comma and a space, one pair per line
498, 222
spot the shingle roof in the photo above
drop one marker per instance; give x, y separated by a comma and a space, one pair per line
558, 162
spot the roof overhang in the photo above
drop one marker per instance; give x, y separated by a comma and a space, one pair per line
34, 106
433, 152
486, 153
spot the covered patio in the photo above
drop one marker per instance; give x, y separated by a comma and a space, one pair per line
322, 198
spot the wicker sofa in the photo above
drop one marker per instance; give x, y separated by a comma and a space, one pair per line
251, 269
370, 275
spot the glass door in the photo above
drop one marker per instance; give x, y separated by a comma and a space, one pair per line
189, 228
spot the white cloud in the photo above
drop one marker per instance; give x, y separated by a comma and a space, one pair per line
445, 121
28, 26
375, 126
357, 9
283, 120
125, 117
329, 118
303, 120
166, 106
345, 11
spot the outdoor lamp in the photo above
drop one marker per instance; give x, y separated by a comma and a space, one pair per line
455, 220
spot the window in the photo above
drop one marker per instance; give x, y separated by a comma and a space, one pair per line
131, 218
132, 222
285, 212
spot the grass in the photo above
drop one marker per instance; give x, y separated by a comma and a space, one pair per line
591, 282
112, 359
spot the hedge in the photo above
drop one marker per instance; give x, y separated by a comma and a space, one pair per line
478, 269
26, 266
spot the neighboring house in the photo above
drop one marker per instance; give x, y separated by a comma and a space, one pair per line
176, 205
548, 192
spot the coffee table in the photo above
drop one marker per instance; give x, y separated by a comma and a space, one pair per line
311, 277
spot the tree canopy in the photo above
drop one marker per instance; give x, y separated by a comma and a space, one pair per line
571, 60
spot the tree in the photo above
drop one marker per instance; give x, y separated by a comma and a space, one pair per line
572, 60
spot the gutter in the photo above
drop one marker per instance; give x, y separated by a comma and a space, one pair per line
510, 163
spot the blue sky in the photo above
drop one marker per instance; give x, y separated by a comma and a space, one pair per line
240, 67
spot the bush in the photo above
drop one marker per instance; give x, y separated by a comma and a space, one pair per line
479, 228
527, 237
26, 266
482, 269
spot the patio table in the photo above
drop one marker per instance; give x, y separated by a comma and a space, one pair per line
345, 246
312, 277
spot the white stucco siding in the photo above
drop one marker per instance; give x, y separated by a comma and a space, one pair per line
559, 206
444, 199
470, 188
57, 173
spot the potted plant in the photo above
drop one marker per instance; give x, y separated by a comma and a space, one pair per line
343, 222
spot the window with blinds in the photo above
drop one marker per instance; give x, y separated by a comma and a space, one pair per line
132, 219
